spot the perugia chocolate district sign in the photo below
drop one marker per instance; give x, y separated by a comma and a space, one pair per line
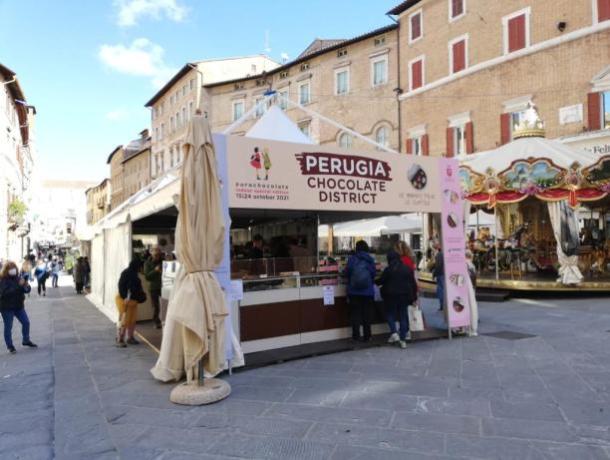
279, 175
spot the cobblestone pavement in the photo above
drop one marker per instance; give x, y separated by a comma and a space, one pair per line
542, 397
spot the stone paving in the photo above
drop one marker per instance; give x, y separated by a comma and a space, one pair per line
544, 397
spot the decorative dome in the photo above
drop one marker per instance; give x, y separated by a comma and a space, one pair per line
531, 126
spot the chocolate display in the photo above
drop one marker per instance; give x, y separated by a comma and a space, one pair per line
417, 176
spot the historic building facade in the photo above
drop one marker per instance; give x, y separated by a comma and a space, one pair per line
98, 201
136, 165
17, 157
174, 104
471, 68
352, 82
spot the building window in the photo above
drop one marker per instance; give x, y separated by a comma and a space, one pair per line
458, 54
157, 134
171, 157
184, 118
382, 136
305, 126
192, 84
516, 31
459, 139
416, 29
260, 107
191, 111
238, 110
379, 69
416, 74
283, 99
379, 41
304, 93
345, 141
172, 124
283, 74
305, 66
342, 53
341, 81
178, 120
416, 143
184, 90
601, 10
457, 9
162, 131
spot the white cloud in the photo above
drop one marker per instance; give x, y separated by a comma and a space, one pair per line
117, 115
142, 58
130, 11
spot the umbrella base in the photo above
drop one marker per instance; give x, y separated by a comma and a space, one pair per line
213, 390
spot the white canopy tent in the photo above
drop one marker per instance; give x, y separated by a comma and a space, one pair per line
527, 147
388, 225
276, 126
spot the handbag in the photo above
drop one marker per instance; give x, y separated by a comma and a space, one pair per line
416, 318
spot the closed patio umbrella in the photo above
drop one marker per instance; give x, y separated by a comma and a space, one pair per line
194, 331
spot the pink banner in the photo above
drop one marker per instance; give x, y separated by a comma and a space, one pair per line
453, 245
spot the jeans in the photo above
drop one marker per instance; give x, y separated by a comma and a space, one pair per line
54, 280
42, 285
22, 316
397, 306
361, 308
440, 291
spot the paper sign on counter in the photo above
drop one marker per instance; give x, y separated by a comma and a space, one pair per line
329, 295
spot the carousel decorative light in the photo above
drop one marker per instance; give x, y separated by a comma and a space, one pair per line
531, 125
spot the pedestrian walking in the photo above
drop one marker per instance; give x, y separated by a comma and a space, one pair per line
55, 273
398, 290
360, 273
78, 272
41, 274
407, 256
13, 289
438, 274
129, 296
86, 273
153, 272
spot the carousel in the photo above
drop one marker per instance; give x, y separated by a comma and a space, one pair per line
549, 203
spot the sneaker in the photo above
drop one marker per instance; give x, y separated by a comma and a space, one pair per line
30, 344
393, 338
408, 336
132, 341
12, 350
120, 344
403, 344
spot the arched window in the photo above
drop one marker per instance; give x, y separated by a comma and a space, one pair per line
345, 141
382, 136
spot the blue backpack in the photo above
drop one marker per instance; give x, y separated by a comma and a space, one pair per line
360, 278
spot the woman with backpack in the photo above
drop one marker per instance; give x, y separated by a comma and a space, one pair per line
398, 290
41, 273
360, 273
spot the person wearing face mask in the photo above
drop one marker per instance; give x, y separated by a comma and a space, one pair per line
13, 289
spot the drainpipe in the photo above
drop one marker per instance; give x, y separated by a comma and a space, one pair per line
398, 90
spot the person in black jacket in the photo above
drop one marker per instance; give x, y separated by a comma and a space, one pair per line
130, 295
13, 289
398, 290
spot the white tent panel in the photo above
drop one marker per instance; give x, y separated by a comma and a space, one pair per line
408, 223
117, 250
528, 147
97, 269
275, 125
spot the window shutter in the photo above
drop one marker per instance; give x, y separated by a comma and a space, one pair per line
415, 26
505, 128
416, 75
425, 145
409, 146
516, 33
469, 137
459, 56
603, 10
450, 138
457, 7
594, 109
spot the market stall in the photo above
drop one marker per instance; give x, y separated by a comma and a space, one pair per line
540, 193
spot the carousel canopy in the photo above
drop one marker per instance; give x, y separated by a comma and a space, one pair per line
534, 166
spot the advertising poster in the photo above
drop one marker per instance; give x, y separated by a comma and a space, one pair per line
453, 245
267, 174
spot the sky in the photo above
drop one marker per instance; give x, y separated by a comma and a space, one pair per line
89, 66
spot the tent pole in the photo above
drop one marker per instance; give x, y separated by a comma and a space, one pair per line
496, 242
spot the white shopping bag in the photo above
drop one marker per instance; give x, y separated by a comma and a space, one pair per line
416, 318
378, 297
